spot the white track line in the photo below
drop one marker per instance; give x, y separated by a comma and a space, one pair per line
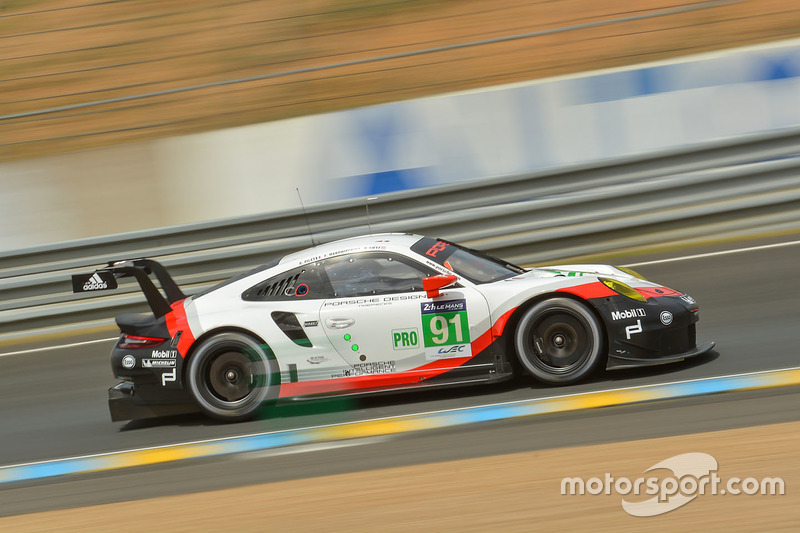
713, 254
58, 346
312, 447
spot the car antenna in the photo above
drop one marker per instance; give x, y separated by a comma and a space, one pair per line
366, 206
305, 216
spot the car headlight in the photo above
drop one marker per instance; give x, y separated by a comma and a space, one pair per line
623, 289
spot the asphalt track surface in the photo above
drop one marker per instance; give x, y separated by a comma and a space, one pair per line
53, 402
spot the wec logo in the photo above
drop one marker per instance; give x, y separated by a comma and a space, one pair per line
452, 349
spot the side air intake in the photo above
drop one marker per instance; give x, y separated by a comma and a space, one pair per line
291, 327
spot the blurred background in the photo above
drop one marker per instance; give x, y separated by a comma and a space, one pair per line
127, 115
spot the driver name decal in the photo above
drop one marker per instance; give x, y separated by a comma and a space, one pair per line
445, 329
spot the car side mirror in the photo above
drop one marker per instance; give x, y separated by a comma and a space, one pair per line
432, 284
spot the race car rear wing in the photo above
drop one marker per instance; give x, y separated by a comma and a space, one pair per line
106, 279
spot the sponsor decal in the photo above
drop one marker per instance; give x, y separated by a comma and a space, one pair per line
688, 299
627, 313
164, 354
317, 359
457, 350
379, 367
169, 376
568, 273
404, 297
441, 307
445, 329
158, 363
666, 318
95, 283
98, 281
438, 246
310, 324
374, 301
357, 301
437, 267
128, 362
405, 339
633, 329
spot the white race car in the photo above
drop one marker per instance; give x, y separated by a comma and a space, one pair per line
380, 313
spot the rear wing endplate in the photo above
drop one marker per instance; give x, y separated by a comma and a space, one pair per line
106, 279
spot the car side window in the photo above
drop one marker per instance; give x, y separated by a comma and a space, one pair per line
370, 273
305, 282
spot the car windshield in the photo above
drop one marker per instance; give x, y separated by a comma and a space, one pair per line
474, 265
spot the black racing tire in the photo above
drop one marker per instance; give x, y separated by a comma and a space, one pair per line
230, 375
559, 341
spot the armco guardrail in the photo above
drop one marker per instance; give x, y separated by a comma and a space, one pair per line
527, 218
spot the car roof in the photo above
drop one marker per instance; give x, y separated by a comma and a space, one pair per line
376, 241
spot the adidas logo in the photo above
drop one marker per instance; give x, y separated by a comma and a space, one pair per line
95, 283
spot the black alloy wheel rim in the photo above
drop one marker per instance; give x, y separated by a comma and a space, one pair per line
230, 376
560, 342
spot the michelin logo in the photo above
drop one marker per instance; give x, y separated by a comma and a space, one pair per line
95, 283
628, 313
158, 363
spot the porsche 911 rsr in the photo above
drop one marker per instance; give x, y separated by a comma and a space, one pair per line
381, 313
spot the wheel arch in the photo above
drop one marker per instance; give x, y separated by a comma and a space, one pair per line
510, 329
226, 329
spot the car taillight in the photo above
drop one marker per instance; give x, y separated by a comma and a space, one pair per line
135, 341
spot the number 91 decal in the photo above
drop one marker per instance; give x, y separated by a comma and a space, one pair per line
445, 329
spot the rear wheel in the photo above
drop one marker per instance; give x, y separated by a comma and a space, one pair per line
559, 341
229, 376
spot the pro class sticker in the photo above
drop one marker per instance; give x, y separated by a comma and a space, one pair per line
405, 339
445, 329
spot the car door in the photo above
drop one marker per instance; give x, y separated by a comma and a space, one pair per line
381, 321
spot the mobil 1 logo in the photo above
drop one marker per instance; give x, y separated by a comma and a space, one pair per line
445, 329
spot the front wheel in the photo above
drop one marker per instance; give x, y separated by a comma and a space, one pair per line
229, 376
559, 341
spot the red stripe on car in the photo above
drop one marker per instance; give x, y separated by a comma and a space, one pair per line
177, 322
371, 381
495, 332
